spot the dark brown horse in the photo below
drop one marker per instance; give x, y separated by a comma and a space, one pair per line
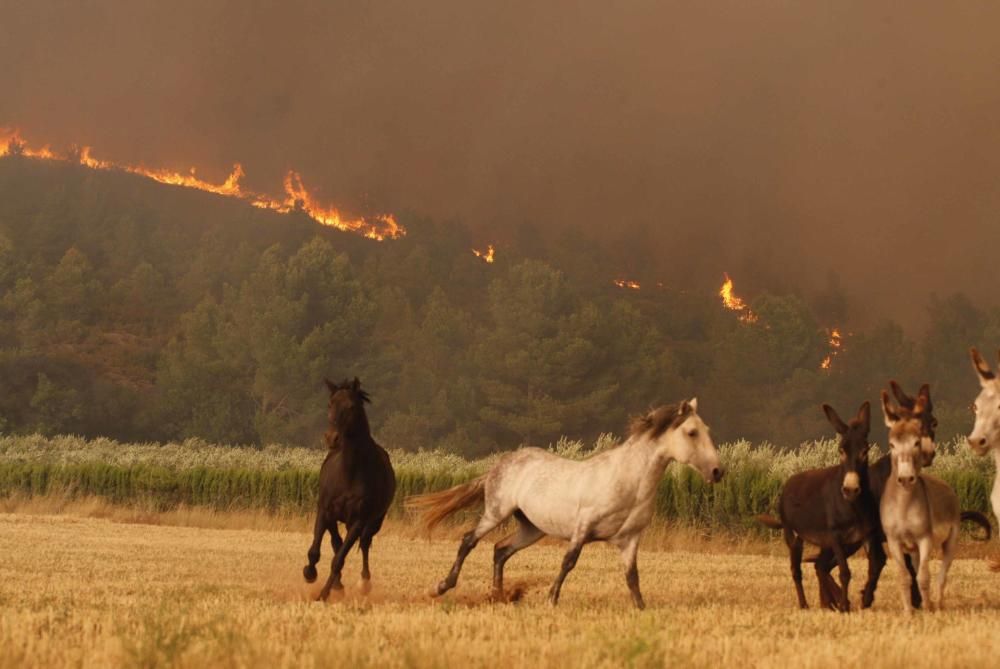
832, 508
356, 486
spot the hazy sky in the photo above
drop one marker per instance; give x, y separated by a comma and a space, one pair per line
775, 140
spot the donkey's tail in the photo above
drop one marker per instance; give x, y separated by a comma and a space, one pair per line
436, 506
769, 521
981, 520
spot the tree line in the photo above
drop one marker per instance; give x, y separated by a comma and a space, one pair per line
146, 313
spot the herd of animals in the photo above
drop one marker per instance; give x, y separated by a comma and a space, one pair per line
610, 496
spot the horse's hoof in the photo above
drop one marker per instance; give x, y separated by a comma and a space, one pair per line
441, 588
309, 573
366, 586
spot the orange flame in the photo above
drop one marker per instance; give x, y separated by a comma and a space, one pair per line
733, 302
836, 346
297, 197
627, 283
489, 255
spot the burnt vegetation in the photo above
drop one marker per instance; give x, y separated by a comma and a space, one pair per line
144, 312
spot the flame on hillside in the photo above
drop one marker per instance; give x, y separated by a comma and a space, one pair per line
733, 302
296, 196
627, 283
489, 255
836, 343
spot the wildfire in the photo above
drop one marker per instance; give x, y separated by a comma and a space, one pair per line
489, 255
836, 346
733, 302
626, 283
296, 197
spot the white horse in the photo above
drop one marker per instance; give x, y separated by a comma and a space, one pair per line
608, 497
985, 435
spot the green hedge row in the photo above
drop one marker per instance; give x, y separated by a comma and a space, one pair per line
682, 496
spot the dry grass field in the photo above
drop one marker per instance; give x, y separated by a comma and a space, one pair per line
84, 591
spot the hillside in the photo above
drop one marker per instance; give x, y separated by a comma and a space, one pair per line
140, 311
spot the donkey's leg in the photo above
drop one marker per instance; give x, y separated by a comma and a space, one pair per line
469, 541
795, 556
948, 554
334, 583
845, 576
896, 551
923, 565
914, 588
829, 591
319, 528
504, 549
630, 553
876, 562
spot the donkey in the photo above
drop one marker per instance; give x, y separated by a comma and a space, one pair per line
921, 408
918, 511
356, 486
607, 497
832, 508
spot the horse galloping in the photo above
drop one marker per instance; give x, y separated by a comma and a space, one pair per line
607, 497
356, 486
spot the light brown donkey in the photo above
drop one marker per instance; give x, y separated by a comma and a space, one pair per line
918, 511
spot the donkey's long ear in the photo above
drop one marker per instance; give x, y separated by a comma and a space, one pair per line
904, 400
864, 417
693, 404
891, 415
831, 415
923, 399
982, 369
330, 385
356, 384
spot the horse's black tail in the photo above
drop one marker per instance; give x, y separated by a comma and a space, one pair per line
769, 521
981, 520
436, 506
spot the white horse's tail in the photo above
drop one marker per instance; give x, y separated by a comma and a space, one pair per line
436, 506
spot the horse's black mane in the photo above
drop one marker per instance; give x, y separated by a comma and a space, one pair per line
659, 420
353, 386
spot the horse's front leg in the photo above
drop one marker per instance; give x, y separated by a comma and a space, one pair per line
333, 582
319, 528
630, 552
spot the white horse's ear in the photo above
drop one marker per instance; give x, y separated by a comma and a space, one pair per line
982, 369
890, 415
694, 404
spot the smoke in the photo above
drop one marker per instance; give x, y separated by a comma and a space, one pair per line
786, 143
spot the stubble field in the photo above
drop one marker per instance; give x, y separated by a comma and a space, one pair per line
78, 591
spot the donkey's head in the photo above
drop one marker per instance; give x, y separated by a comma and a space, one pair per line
853, 448
905, 439
986, 431
920, 408
346, 408
680, 434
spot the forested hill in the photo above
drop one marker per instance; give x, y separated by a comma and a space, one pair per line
148, 312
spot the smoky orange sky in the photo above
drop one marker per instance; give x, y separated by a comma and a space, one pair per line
781, 141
